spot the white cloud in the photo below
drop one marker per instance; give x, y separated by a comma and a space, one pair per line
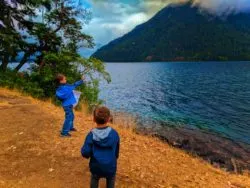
112, 20
126, 24
224, 6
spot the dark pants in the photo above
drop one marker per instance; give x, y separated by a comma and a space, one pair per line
69, 119
110, 181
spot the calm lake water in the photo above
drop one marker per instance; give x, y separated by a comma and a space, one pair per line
212, 97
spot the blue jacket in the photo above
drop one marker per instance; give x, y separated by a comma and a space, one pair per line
65, 93
102, 147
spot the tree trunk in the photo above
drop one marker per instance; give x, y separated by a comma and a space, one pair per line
4, 65
22, 62
40, 62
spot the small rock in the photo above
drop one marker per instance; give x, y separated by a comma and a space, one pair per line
11, 148
51, 170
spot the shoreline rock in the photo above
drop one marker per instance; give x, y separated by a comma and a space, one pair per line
220, 152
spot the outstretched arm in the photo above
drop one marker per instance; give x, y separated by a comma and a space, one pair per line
80, 82
87, 147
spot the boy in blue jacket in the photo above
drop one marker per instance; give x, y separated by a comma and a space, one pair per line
102, 147
65, 94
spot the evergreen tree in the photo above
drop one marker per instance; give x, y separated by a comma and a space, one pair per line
12, 22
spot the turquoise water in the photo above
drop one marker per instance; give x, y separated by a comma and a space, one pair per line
211, 96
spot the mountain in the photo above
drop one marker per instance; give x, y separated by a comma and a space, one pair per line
183, 33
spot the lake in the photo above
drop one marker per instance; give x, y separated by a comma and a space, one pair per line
210, 97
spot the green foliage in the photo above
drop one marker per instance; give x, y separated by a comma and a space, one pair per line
54, 42
183, 33
59, 27
22, 82
93, 69
41, 84
12, 41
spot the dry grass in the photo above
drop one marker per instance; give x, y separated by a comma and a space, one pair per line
124, 120
34, 155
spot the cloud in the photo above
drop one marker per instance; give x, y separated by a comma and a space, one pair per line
213, 6
112, 19
224, 6
105, 30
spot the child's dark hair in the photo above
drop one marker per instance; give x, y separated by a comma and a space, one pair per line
101, 115
59, 78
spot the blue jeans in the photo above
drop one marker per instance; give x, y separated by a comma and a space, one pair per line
110, 181
69, 119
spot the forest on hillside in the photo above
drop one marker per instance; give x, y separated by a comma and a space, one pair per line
183, 33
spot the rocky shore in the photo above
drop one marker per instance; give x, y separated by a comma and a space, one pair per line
220, 152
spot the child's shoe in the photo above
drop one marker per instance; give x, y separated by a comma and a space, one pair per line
73, 129
65, 135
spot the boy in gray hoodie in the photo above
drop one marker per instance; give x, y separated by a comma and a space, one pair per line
102, 147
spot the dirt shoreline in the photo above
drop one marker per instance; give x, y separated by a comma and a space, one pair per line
34, 155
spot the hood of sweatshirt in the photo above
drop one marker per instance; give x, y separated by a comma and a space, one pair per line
103, 137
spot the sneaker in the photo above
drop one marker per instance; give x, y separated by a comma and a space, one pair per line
73, 129
65, 135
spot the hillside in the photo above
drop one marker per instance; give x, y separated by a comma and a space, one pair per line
183, 33
34, 155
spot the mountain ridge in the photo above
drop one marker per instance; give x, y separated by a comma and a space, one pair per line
183, 33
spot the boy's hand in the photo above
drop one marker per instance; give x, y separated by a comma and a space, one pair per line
83, 77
